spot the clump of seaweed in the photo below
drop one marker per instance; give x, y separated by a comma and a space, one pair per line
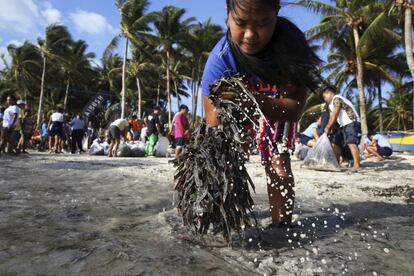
211, 179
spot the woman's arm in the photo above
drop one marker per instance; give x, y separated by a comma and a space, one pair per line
288, 107
209, 114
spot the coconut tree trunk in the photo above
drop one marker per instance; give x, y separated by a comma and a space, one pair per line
168, 90
123, 79
158, 95
360, 84
139, 98
192, 96
409, 42
39, 111
381, 112
65, 102
196, 88
176, 94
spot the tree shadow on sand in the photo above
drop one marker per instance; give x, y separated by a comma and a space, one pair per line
394, 163
312, 227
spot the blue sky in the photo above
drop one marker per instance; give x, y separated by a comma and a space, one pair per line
97, 21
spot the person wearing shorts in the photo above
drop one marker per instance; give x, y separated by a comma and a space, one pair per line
180, 125
56, 130
343, 112
379, 146
118, 128
310, 135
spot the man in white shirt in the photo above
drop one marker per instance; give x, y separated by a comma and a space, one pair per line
10, 120
343, 112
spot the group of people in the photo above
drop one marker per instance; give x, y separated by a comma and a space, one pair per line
57, 133
341, 123
148, 131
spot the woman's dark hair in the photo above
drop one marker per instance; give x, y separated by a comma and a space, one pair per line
287, 59
247, 5
183, 106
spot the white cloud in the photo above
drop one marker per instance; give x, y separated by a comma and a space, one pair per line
18, 15
51, 15
91, 23
3, 51
25, 17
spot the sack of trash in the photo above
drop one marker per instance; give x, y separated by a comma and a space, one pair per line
105, 145
162, 146
137, 149
322, 157
124, 150
96, 149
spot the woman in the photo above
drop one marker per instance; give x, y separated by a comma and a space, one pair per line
278, 66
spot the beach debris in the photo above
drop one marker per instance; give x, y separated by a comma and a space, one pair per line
211, 179
322, 157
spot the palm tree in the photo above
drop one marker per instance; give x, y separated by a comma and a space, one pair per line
77, 65
398, 114
171, 31
133, 22
54, 46
25, 63
141, 66
405, 7
347, 17
201, 41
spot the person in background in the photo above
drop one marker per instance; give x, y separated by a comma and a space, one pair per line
16, 137
143, 135
77, 126
118, 128
56, 131
44, 134
28, 125
343, 112
10, 120
153, 129
310, 135
2, 108
379, 146
180, 129
135, 127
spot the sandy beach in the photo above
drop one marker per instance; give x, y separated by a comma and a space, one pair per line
91, 215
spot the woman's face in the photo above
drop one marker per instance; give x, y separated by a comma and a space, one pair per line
252, 30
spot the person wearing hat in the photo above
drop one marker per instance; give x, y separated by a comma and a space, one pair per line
16, 134
180, 129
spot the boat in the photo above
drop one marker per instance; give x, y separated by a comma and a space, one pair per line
401, 140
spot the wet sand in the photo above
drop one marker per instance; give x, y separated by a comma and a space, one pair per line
90, 215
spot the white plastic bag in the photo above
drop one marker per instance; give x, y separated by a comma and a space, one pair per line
96, 149
162, 146
322, 157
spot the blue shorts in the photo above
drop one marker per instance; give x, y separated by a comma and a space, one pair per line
352, 133
179, 142
303, 139
384, 151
